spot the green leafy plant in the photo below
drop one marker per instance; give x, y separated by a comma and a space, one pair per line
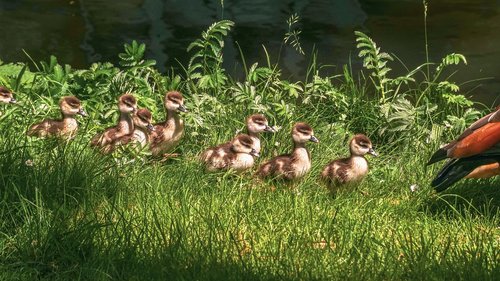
411, 110
375, 61
205, 64
133, 56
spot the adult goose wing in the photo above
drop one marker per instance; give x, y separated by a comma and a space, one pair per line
479, 137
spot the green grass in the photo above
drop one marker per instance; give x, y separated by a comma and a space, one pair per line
76, 214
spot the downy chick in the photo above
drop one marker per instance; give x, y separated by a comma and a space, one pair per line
64, 128
127, 104
6, 96
142, 129
167, 134
349, 170
237, 155
294, 165
256, 124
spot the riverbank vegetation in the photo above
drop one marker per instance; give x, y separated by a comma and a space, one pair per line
67, 212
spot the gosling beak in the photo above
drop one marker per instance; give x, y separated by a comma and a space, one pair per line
13, 100
150, 127
254, 153
314, 139
182, 108
82, 112
372, 152
269, 129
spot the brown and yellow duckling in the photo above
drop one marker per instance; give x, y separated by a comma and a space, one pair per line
142, 129
64, 128
127, 104
256, 124
349, 170
166, 135
294, 165
237, 155
6, 95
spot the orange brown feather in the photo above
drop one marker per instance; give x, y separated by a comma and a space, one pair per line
485, 171
479, 141
474, 154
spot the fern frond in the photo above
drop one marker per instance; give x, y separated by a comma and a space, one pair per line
374, 59
451, 59
204, 64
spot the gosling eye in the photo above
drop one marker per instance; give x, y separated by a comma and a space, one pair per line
364, 145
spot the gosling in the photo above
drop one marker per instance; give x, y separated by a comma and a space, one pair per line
256, 124
127, 104
142, 129
237, 155
6, 96
351, 170
167, 135
64, 128
295, 165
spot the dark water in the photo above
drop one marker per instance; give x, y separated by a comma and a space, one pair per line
79, 32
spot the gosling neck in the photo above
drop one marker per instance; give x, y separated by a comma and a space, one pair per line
253, 134
68, 117
300, 151
172, 117
298, 145
126, 123
172, 114
355, 154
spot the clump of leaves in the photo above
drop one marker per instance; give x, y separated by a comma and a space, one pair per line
374, 60
416, 110
205, 64
133, 56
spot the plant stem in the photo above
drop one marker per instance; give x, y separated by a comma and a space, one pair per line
426, 39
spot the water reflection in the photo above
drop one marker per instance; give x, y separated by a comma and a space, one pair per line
84, 31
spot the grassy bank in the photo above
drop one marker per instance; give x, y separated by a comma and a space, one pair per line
67, 212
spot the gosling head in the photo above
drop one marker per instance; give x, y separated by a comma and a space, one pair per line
174, 102
361, 145
257, 123
6, 95
71, 106
302, 133
127, 103
143, 119
243, 144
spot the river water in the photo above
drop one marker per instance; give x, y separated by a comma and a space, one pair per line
79, 32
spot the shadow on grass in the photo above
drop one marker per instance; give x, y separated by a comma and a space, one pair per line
52, 172
75, 251
476, 197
